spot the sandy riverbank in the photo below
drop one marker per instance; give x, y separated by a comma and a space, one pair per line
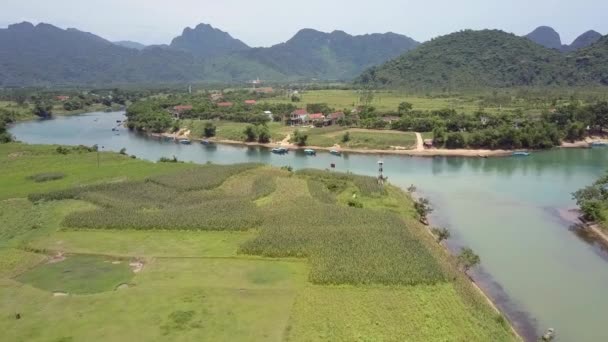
574, 215
416, 152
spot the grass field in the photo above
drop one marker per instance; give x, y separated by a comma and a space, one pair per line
389, 101
360, 138
291, 261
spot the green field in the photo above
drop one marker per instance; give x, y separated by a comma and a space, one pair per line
387, 100
360, 138
226, 253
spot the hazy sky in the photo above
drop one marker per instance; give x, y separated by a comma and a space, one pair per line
267, 22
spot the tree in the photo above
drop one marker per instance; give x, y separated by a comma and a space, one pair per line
441, 234
423, 207
43, 110
405, 107
295, 98
299, 138
209, 130
263, 134
467, 259
439, 136
575, 131
346, 137
250, 133
455, 140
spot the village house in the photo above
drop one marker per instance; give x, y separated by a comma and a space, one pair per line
179, 110
250, 102
333, 118
428, 143
224, 104
264, 90
62, 98
316, 119
216, 96
298, 117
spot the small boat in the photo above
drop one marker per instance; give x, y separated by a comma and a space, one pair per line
185, 142
310, 152
118, 121
114, 129
335, 152
521, 154
549, 335
599, 144
205, 142
279, 150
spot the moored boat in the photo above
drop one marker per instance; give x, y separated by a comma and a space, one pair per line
279, 150
185, 142
205, 142
521, 154
310, 152
335, 152
549, 335
599, 144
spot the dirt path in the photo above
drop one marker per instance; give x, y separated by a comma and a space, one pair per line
286, 140
419, 142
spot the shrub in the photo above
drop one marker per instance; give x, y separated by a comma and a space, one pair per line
46, 177
202, 177
62, 150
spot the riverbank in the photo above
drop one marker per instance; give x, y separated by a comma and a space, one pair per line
488, 298
574, 215
416, 152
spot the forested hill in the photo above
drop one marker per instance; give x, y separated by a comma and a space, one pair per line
488, 58
45, 55
335, 55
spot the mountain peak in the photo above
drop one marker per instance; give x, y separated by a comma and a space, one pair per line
206, 41
546, 36
26, 25
584, 40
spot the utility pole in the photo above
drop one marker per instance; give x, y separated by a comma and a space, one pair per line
380, 172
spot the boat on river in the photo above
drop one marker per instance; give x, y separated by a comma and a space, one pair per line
205, 142
335, 152
185, 142
549, 335
279, 150
599, 144
521, 154
310, 152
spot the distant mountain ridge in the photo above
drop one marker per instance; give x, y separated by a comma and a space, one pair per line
206, 41
490, 58
130, 44
549, 38
47, 55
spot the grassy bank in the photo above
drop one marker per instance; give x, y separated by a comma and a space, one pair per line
242, 252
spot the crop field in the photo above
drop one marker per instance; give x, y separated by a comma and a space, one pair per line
225, 253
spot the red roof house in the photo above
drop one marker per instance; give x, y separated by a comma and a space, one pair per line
316, 117
250, 102
224, 104
62, 97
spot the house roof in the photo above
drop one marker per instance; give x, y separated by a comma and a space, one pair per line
316, 116
62, 97
182, 108
250, 102
264, 90
335, 115
224, 104
300, 112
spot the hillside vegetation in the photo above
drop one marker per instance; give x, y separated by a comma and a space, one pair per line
488, 58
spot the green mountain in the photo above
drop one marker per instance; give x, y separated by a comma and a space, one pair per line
46, 55
592, 62
473, 59
207, 42
335, 55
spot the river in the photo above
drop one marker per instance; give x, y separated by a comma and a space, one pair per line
534, 265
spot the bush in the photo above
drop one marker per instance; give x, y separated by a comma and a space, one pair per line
209, 130
455, 140
62, 150
46, 177
299, 138
354, 203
